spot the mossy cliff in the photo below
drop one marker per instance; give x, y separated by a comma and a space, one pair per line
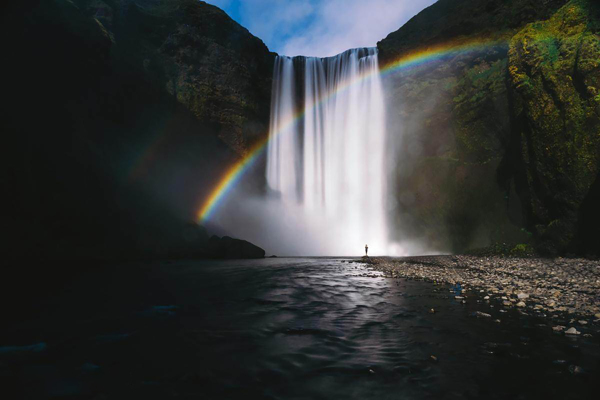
500, 142
554, 71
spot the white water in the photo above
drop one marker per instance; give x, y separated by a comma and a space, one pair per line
328, 166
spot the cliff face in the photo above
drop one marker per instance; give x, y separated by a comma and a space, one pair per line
208, 62
122, 115
199, 55
554, 72
500, 142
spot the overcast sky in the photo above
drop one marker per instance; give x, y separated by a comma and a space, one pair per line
320, 27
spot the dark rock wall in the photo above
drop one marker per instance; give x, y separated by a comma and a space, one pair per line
499, 143
121, 116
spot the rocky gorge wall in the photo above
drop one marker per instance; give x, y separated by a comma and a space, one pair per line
499, 144
122, 115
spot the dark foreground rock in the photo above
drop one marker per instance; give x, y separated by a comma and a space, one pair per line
195, 243
230, 248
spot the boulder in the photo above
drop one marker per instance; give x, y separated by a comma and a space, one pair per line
230, 248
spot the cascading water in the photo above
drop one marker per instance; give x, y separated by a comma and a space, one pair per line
326, 151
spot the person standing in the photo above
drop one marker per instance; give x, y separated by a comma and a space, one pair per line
366, 249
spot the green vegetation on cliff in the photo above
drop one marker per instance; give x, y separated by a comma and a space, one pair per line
502, 137
555, 74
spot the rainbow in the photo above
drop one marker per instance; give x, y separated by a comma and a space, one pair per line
406, 62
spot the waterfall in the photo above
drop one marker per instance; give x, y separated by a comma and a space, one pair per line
325, 158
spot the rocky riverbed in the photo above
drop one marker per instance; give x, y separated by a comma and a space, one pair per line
566, 291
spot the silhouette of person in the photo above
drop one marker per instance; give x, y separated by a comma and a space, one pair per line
366, 249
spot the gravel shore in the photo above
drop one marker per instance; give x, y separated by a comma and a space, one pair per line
565, 289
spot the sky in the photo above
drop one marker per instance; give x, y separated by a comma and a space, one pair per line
320, 28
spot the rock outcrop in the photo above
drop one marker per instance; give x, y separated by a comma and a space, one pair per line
230, 248
499, 142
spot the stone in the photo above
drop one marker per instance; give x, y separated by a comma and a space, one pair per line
523, 296
575, 369
230, 248
558, 328
572, 331
480, 314
520, 304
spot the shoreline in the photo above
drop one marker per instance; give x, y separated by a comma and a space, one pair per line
565, 291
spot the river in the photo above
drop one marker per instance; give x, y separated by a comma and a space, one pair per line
278, 328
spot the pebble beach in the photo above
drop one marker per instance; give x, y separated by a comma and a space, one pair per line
564, 290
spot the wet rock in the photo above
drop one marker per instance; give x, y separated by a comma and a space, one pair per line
523, 296
480, 314
520, 304
575, 369
33, 348
558, 328
230, 248
572, 331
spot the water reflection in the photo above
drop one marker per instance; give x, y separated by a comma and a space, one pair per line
287, 328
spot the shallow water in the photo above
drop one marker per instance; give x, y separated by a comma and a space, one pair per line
282, 328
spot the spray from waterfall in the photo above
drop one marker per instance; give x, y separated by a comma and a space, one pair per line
329, 171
